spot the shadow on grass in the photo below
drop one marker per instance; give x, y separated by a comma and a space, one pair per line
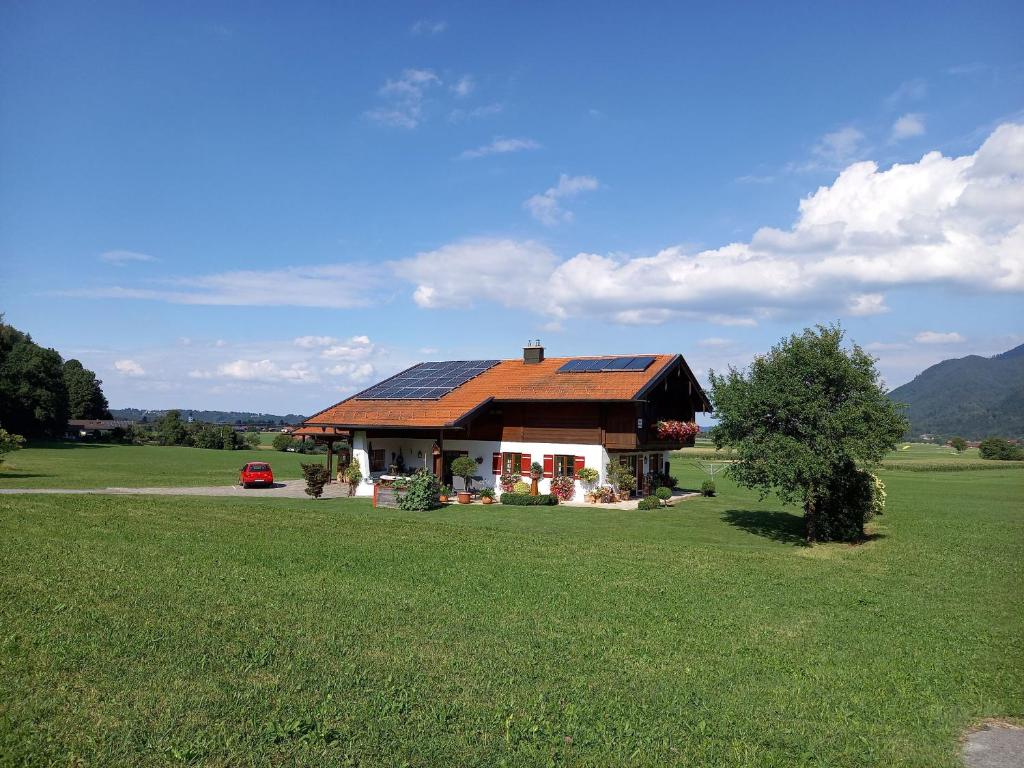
783, 527
62, 444
21, 475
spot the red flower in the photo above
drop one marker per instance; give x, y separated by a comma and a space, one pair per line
679, 431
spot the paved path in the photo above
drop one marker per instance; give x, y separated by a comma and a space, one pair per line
997, 745
286, 489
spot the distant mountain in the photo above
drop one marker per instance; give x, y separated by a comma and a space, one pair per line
213, 417
972, 397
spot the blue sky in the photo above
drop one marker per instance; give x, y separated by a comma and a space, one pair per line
222, 205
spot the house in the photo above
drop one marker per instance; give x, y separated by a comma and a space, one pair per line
562, 413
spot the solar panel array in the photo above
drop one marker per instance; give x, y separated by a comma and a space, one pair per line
427, 381
607, 365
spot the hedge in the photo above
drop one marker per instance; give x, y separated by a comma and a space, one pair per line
526, 500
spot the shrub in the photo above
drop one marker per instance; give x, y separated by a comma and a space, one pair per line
664, 479
520, 487
508, 482
421, 493
998, 448
281, 441
707, 488
316, 478
588, 475
526, 500
252, 439
649, 502
465, 468
620, 476
663, 493
877, 496
959, 444
9, 442
564, 488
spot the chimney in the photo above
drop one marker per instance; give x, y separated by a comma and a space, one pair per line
533, 352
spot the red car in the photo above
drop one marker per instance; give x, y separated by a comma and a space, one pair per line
255, 473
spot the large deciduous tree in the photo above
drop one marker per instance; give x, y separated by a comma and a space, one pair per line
85, 396
806, 421
33, 398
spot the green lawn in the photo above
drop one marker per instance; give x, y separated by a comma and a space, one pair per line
97, 465
161, 630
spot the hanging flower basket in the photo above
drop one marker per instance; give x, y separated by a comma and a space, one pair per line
679, 431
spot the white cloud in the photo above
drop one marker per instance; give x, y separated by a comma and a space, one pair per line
909, 90
356, 348
258, 370
500, 146
953, 221
336, 286
463, 86
486, 110
353, 372
404, 98
937, 337
866, 304
120, 258
499, 270
838, 147
908, 126
426, 27
309, 342
547, 208
129, 368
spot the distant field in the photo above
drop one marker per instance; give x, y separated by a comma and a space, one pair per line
222, 632
95, 465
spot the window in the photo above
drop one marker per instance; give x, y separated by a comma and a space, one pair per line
377, 460
512, 463
565, 466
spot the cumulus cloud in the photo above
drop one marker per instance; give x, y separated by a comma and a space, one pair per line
547, 207
356, 348
500, 146
403, 98
938, 337
120, 258
954, 221
496, 266
907, 126
129, 368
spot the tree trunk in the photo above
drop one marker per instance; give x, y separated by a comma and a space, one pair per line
534, 490
810, 521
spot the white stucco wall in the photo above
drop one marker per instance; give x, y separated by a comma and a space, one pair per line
595, 456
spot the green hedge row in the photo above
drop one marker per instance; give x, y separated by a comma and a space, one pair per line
526, 500
950, 466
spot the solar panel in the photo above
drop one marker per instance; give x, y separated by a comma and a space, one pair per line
427, 381
607, 364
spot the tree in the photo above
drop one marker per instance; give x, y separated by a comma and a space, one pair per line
465, 468
252, 439
806, 420
317, 477
959, 444
9, 442
1000, 449
33, 398
171, 430
85, 395
281, 441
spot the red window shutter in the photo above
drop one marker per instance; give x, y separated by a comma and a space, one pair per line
549, 465
580, 463
524, 464
496, 463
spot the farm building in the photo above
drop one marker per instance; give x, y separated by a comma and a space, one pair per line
562, 413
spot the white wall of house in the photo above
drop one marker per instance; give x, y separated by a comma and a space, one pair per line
417, 452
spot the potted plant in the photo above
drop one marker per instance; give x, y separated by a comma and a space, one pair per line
487, 495
564, 488
536, 473
465, 468
446, 491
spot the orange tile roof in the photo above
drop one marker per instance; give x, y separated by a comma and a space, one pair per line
307, 431
509, 380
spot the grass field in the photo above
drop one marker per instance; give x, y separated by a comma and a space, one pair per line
97, 465
162, 630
